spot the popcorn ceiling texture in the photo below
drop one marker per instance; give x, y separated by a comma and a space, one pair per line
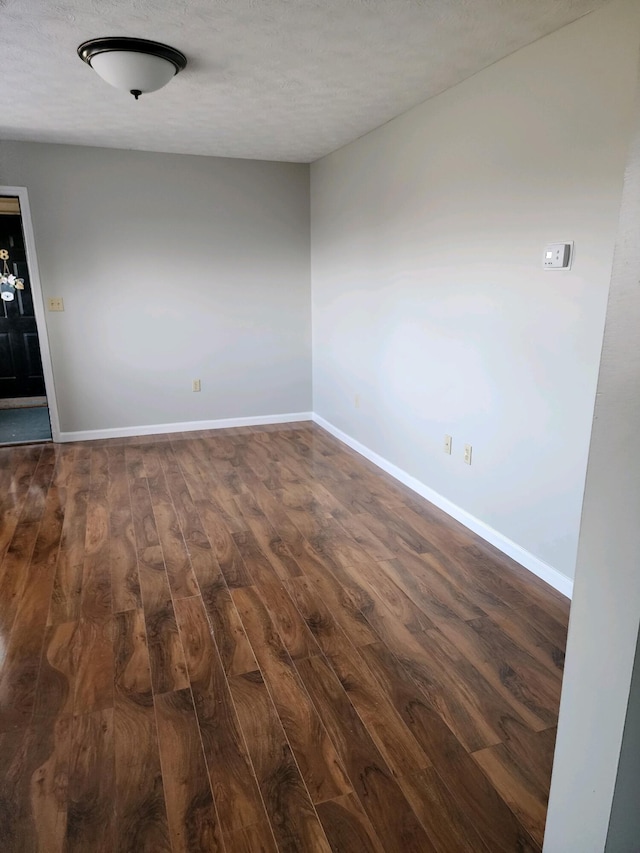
267, 79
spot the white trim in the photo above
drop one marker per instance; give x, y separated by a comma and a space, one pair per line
38, 304
187, 426
538, 567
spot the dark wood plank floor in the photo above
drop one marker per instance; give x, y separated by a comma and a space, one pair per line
252, 640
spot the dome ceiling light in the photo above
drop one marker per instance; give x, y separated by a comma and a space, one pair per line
137, 66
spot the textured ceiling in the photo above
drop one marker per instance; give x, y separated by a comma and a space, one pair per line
266, 79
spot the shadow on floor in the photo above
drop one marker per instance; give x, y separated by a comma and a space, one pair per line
22, 426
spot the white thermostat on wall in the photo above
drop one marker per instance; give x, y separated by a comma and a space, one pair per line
558, 256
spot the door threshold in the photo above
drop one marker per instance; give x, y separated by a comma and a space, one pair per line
28, 441
23, 402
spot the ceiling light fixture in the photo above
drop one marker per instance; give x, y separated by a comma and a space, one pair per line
136, 65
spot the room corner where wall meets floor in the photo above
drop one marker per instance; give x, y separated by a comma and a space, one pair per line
511, 549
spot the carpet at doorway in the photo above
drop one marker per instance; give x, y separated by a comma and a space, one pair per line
24, 425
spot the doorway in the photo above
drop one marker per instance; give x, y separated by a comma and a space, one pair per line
24, 409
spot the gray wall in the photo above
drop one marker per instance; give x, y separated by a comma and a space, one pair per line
605, 611
172, 268
429, 298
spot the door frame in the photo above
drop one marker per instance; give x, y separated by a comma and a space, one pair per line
38, 304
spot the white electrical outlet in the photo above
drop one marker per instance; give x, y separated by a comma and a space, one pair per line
467, 454
356, 401
447, 444
195, 385
55, 303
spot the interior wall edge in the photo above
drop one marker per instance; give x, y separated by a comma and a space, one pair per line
511, 549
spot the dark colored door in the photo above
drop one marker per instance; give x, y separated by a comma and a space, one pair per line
20, 362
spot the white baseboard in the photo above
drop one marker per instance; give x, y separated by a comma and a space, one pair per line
187, 426
538, 567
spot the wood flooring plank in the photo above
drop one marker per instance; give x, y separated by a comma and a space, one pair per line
13, 573
91, 792
521, 630
141, 818
448, 826
295, 635
231, 640
315, 753
387, 809
21, 664
390, 734
232, 777
93, 653
77, 669
269, 541
544, 623
168, 667
254, 839
347, 826
34, 769
193, 822
67, 588
470, 705
96, 572
520, 770
35, 544
56, 675
19, 464
516, 675
134, 459
496, 571
346, 604
49, 784
421, 578
123, 561
34, 504
376, 579
491, 818
267, 503
274, 473
220, 535
182, 580
360, 533
212, 517
291, 813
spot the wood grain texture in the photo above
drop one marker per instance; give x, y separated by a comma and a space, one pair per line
293, 818
92, 782
139, 799
232, 778
34, 774
477, 799
522, 782
193, 822
347, 826
314, 751
387, 809
252, 640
